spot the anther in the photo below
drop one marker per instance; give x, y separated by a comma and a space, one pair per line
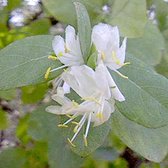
62, 126
52, 57
85, 140
47, 73
70, 142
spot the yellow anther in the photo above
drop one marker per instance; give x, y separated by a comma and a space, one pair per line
71, 143
47, 73
103, 56
74, 122
62, 126
85, 141
60, 54
65, 70
99, 115
68, 115
76, 129
75, 104
127, 63
52, 57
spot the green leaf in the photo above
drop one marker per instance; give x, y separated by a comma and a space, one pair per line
96, 137
37, 27
92, 60
13, 4
129, 16
150, 143
12, 158
3, 120
84, 28
25, 62
64, 11
145, 92
149, 47
8, 94
43, 126
33, 94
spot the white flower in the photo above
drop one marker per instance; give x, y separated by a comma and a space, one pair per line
67, 51
92, 87
107, 41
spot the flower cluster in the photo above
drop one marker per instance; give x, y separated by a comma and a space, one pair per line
96, 88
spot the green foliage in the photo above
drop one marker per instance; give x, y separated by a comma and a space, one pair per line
33, 94
3, 120
92, 60
145, 93
63, 10
129, 16
12, 158
150, 143
84, 29
8, 94
141, 122
149, 47
43, 126
25, 62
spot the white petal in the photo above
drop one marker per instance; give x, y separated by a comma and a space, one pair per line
102, 80
60, 98
71, 60
121, 51
58, 45
72, 44
105, 37
116, 93
82, 80
54, 110
66, 88
106, 115
70, 37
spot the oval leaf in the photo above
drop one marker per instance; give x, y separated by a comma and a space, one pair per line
146, 94
25, 62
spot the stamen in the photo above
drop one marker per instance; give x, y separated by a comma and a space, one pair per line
85, 141
47, 73
76, 129
123, 76
52, 57
71, 143
87, 130
62, 126
113, 87
82, 121
69, 116
61, 67
74, 122
127, 63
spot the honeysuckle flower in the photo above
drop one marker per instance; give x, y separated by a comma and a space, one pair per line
92, 86
67, 51
107, 41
